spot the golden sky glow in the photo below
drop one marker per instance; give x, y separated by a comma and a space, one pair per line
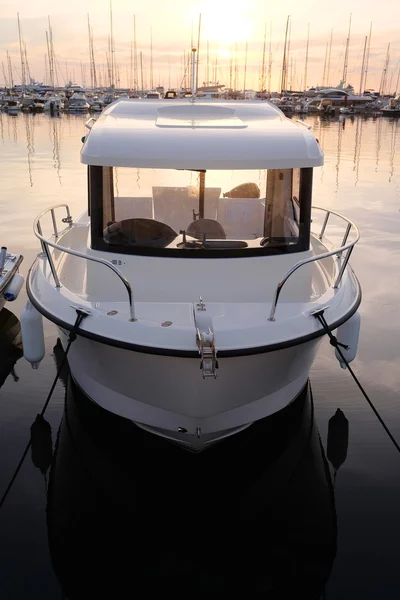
226, 24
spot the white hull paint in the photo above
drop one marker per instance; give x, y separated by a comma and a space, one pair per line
166, 393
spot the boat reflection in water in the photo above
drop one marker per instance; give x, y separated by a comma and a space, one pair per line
129, 511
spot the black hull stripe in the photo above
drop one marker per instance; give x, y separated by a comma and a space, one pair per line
191, 353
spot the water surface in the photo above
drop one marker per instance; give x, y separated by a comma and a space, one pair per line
110, 487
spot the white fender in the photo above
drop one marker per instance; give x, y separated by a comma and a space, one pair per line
348, 334
32, 335
14, 287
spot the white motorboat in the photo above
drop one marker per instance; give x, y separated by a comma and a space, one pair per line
13, 107
392, 109
54, 104
11, 281
196, 266
77, 103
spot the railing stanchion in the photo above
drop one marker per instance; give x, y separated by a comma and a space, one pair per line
53, 218
52, 266
343, 267
39, 228
69, 216
325, 223
346, 235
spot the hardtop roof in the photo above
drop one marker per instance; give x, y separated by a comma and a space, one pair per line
205, 134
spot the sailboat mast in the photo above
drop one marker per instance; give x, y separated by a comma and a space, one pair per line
391, 79
245, 70
367, 57
48, 57
27, 71
10, 73
90, 53
398, 79
112, 49
46, 68
23, 75
135, 58
329, 59
141, 70
208, 65
306, 65
151, 59
325, 62
108, 58
4, 75
93, 61
270, 58
291, 74
198, 53
262, 78
288, 61
236, 68
230, 69
384, 73
346, 55
363, 65
131, 69
284, 59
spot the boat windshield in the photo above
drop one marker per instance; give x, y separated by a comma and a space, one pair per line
169, 212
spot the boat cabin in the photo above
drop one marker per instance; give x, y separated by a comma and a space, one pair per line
199, 180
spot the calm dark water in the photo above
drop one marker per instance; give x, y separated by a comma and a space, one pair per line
120, 512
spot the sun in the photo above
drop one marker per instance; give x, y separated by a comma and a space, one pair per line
227, 28
223, 52
226, 22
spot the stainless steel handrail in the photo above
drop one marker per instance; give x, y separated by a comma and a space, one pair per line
88, 121
338, 251
37, 230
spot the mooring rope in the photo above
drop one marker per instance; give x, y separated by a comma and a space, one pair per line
334, 342
71, 339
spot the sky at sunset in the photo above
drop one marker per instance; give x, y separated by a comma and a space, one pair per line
227, 25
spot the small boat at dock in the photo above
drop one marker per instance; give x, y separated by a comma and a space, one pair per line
392, 109
11, 281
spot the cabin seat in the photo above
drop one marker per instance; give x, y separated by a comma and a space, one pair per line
208, 227
139, 232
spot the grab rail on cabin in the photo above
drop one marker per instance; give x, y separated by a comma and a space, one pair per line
338, 251
45, 243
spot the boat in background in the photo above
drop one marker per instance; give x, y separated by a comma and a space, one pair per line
152, 95
392, 109
12, 107
76, 103
53, 104
11, 281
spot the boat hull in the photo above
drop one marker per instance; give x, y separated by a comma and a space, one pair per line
168, 396
390, 113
